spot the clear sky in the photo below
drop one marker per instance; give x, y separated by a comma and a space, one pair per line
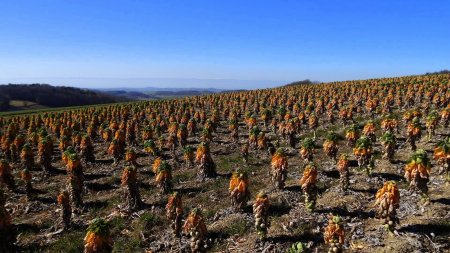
222, 44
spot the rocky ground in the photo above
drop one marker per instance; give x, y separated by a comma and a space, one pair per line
424, 227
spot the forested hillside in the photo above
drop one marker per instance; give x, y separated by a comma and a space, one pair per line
51, 96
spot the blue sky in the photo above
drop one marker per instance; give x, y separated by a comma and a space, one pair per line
222, 44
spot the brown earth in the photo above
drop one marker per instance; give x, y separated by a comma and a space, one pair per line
422, 228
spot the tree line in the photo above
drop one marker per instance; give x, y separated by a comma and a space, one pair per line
52, 96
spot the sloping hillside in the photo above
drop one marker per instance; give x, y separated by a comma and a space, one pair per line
298, 144
151, 93
44, 95
19, 105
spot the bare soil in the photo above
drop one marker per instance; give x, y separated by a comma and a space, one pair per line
424, 227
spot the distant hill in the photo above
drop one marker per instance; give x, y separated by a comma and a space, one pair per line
306, 81
154, 89
32, 96
159, 93
131, 95
181, 93
445, 71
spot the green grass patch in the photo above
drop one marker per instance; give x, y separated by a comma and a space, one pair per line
149, 220
208, 214
132, 243
126, 244
123, 243
117, 224
69, 243
237, 227
217, 185
227, 164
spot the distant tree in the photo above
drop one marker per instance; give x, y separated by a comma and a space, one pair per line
444, 71
52, 96
4, 102
302, 82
